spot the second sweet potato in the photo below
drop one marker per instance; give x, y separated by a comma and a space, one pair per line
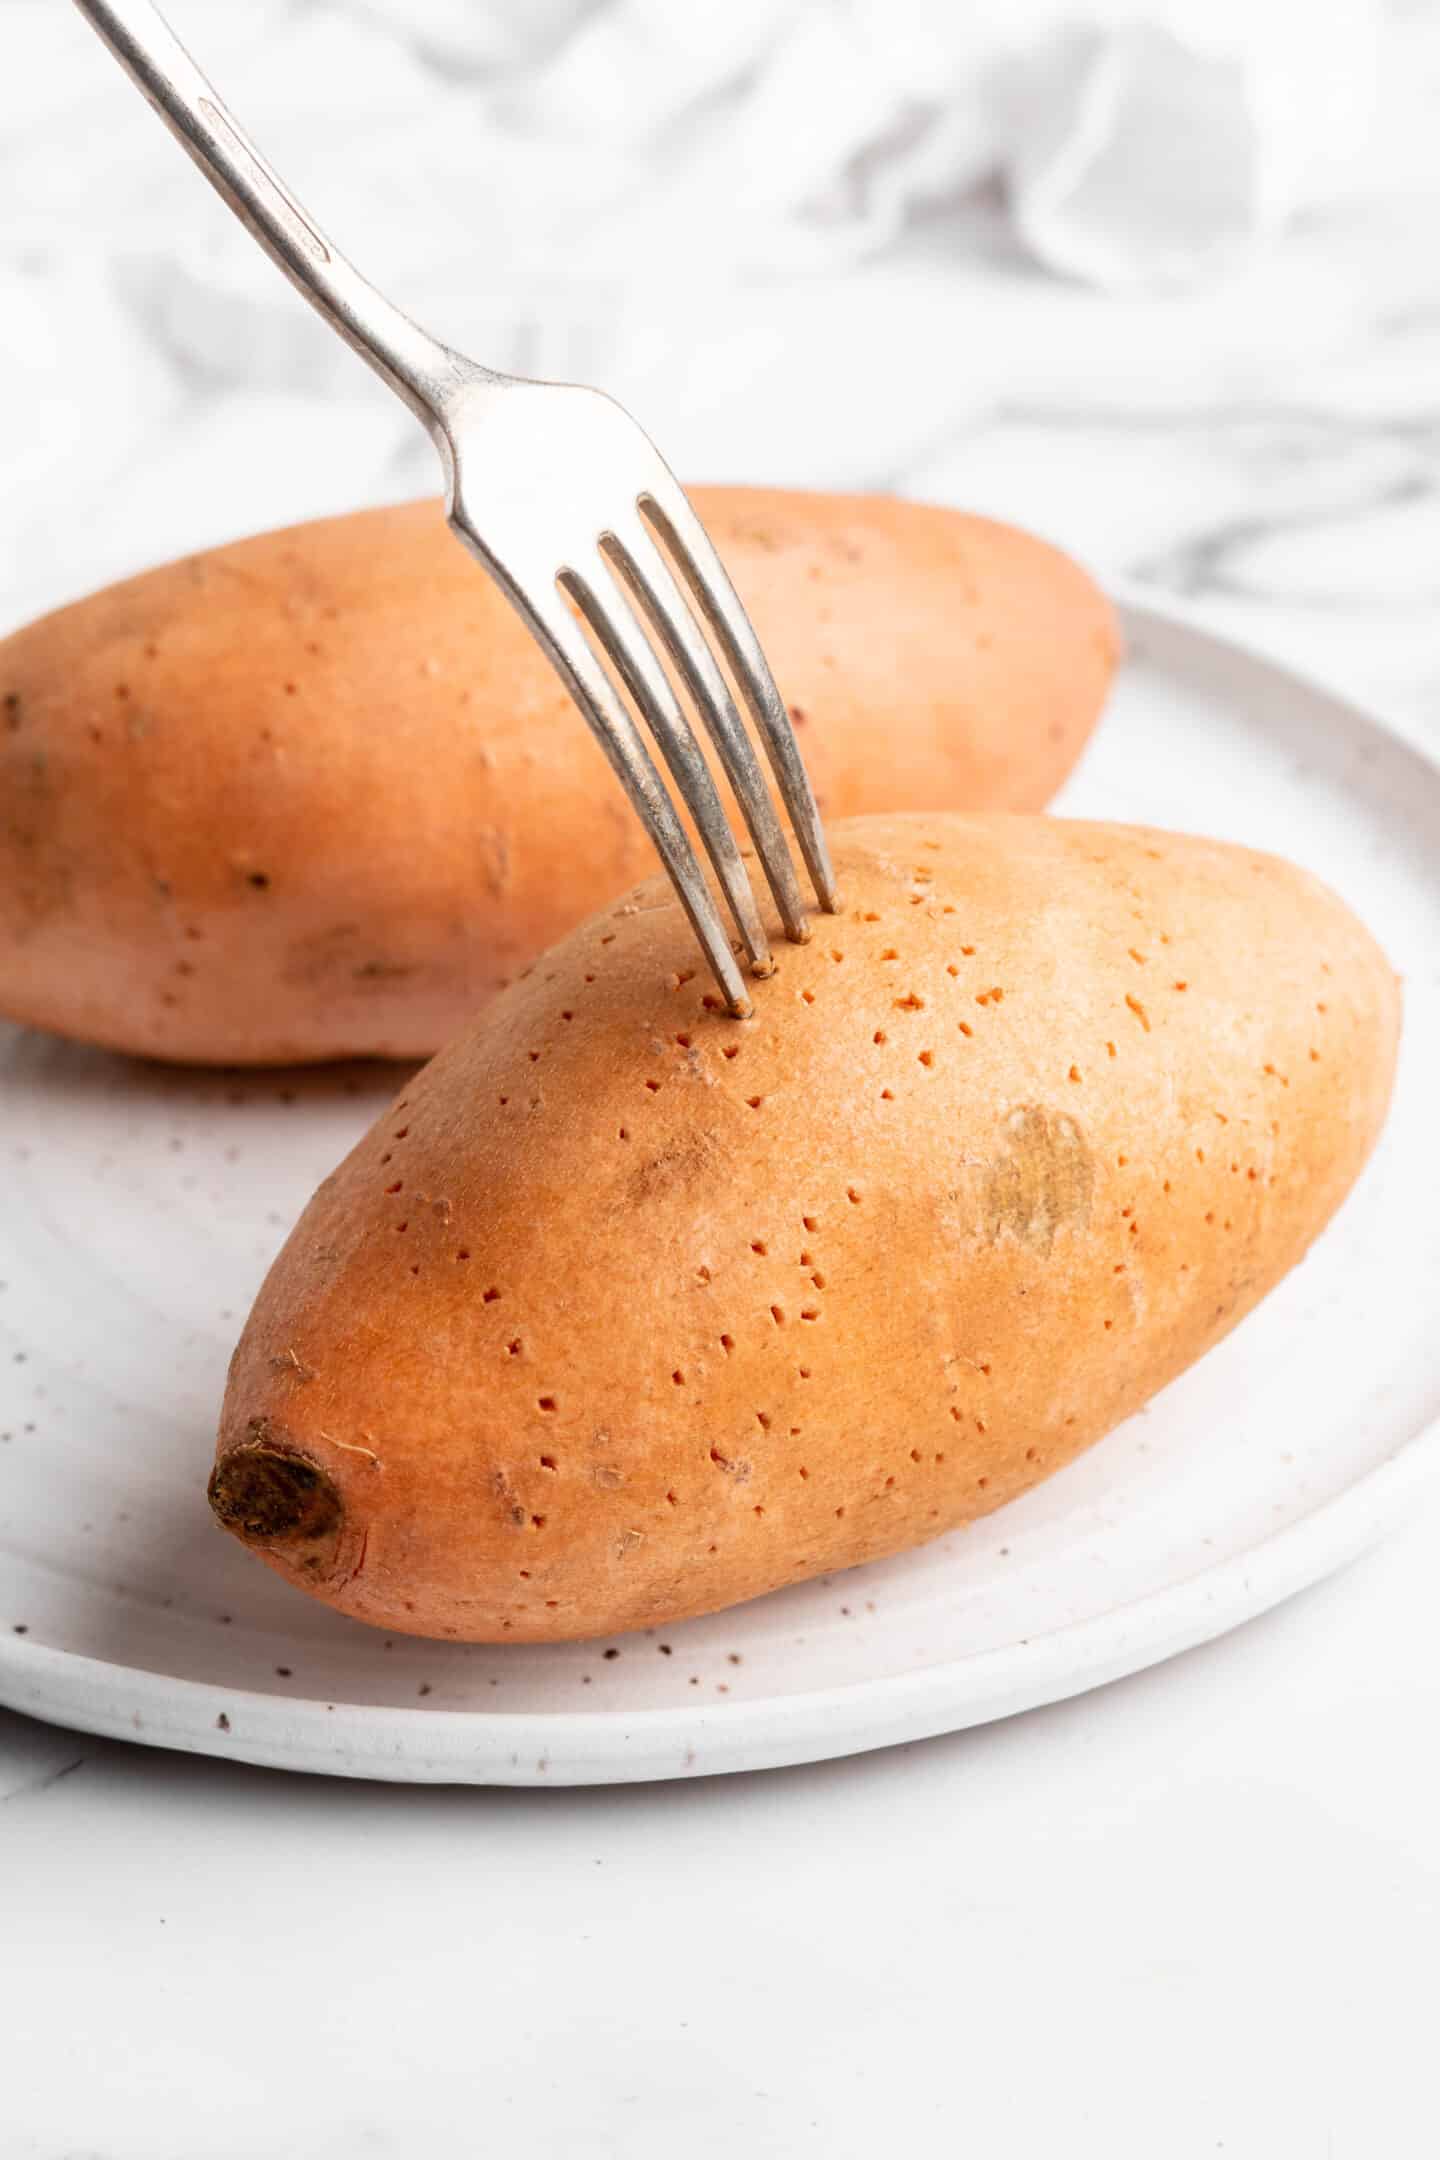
317, 794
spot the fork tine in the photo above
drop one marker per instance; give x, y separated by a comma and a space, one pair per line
687, 540
620, 739
613, 621
637, 559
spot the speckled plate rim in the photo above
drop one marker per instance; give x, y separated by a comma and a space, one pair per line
615, 1747
424, 1746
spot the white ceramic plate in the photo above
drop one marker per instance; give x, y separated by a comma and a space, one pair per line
140, 1207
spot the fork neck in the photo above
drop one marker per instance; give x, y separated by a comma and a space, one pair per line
426, 374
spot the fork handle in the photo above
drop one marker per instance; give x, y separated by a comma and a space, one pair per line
416, 366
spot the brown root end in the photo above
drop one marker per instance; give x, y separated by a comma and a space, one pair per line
269, 1495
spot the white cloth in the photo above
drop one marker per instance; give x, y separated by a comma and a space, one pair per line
1159, 151
665, 196
576, 150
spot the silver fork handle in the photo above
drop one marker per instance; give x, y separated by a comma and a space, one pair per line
416, 366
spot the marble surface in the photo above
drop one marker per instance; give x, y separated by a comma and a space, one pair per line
1193, 1913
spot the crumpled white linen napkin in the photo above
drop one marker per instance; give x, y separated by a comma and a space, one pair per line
641, 192
1157, 149
749, 219
1144, 142
549, 158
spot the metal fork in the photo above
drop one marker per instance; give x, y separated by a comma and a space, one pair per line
573, 511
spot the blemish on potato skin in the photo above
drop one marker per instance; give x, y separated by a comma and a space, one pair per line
294, 1368
738, 1468
312, 959
355, 1447
513, 1512
380, 970
495, 866
678, 1164
30, 828
1044, 1181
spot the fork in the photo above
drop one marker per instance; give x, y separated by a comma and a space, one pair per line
570, 507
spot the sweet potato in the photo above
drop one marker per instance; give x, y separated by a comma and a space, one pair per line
626, 1310
317, 793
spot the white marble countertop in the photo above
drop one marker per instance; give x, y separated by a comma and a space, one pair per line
1194, 1913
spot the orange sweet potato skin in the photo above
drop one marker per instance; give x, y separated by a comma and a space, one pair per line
317, 794
627, 1311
